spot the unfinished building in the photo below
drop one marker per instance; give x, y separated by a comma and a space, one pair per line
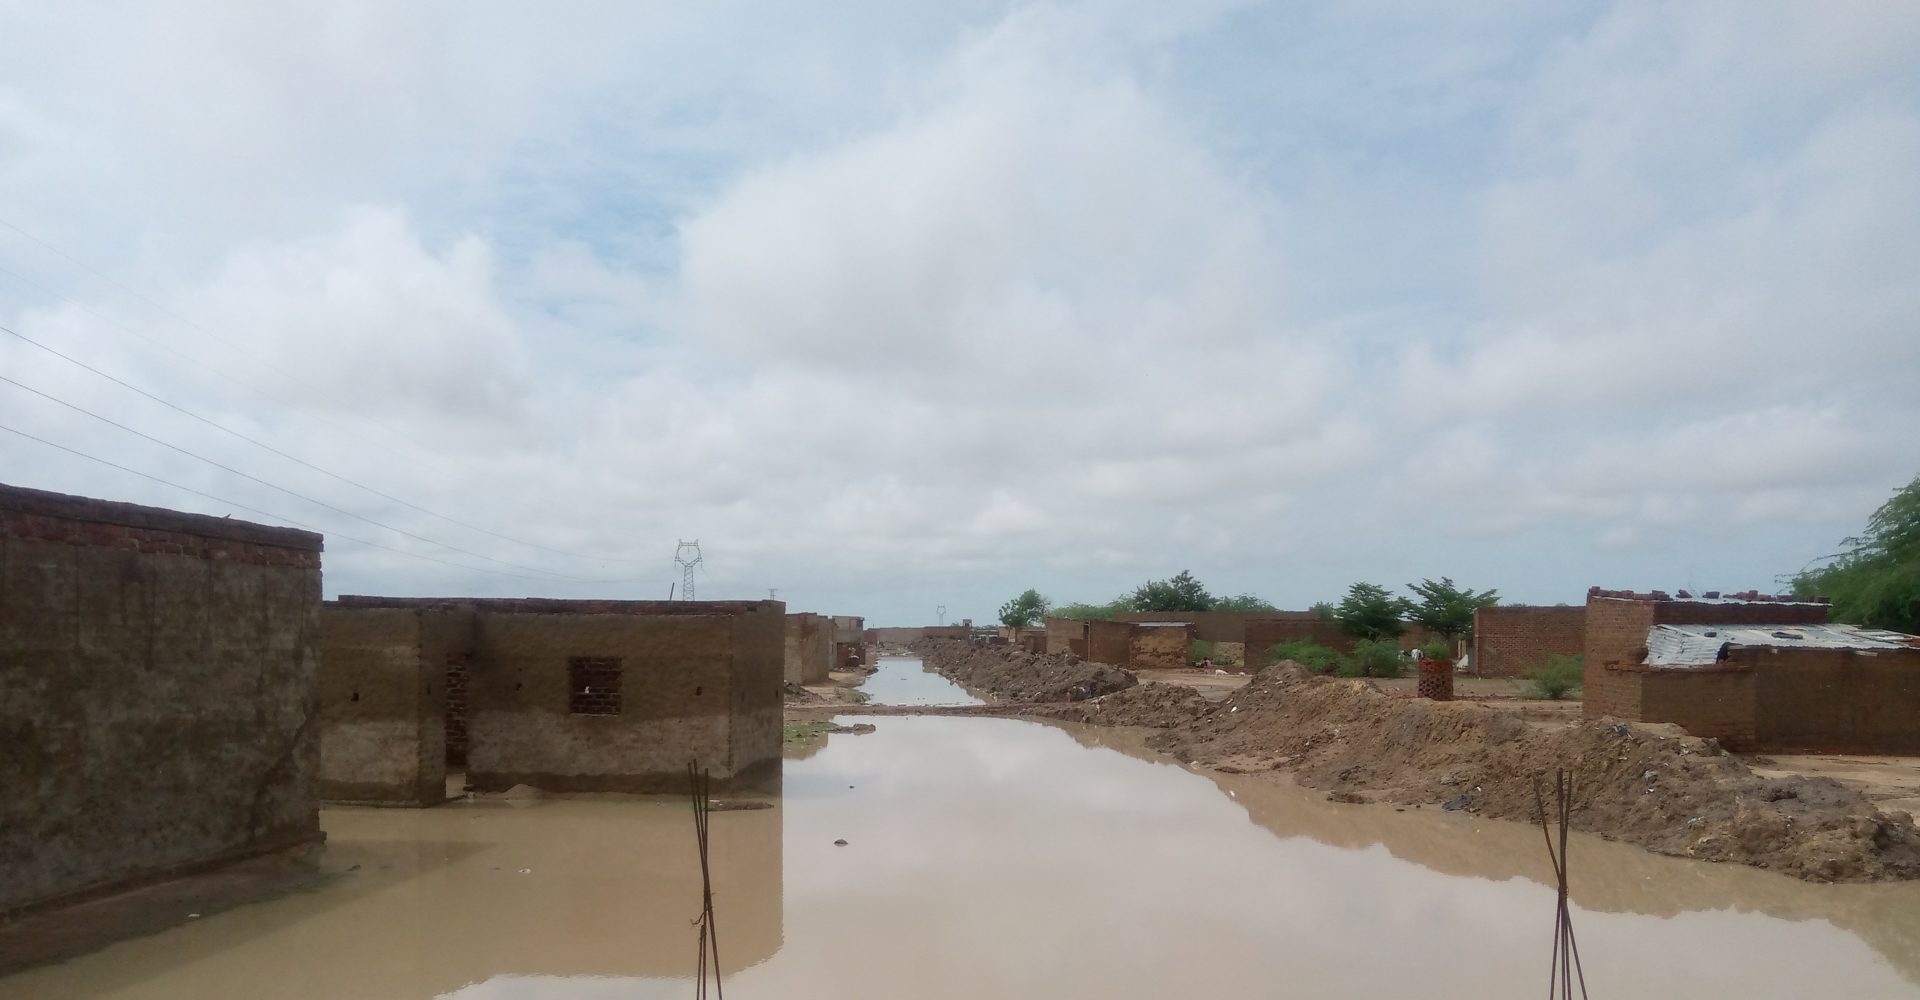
157, 693
614, 696
1757, 672
1511, 639
808, 648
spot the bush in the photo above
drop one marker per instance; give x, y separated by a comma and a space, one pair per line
1309, 654
1202, 650
1437, 649
1554, 678
1376, 658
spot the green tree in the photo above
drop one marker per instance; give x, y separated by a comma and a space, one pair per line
1446, 609
1370, 611
1243, 602
1875, 579
1181, 593
1095, 612
1024, 611
1325, 610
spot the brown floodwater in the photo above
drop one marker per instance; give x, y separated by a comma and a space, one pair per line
904, 680
1001, 858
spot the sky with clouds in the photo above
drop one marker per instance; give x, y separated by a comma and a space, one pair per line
897, 306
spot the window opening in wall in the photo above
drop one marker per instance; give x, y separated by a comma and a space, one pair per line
593, 685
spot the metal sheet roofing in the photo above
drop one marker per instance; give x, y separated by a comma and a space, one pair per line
1700, 645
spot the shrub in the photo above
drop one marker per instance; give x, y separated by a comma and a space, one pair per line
1307, 653
1202, 650
1437, 649
1376, 658
1554, 678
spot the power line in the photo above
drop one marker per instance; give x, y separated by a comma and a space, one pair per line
293, 458
231, 345
196, 362
330, 535
292, 493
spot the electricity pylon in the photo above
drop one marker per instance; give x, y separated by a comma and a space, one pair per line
687, 556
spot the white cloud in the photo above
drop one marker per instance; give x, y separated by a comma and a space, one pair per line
917, 308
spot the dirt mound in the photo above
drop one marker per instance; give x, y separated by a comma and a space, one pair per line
1645, 784
1162, 706
1010, 674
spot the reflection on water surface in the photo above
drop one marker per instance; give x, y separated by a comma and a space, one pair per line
1000, 858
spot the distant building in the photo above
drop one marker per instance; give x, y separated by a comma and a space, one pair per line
1756, 672
555, 694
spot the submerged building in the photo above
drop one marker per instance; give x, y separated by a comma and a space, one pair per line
555, 694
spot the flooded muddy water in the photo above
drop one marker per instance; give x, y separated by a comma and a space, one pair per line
1001, 858
902, 680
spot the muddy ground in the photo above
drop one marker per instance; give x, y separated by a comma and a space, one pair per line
1649, 785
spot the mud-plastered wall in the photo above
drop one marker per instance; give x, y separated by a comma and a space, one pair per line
599, 702
383, 702
808, 648
158, 708
753, 733
1160, 647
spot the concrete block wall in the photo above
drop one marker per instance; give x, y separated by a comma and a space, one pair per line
158, 682
1511, 639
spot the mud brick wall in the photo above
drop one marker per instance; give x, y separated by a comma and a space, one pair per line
684, 689
1062, 633
1263, 635
1616, 641
1511, 639
808, 648
1110, 642
384, 701
1160, 648
158, 679
1717, 702
848, 629
1836, 701
1219, 626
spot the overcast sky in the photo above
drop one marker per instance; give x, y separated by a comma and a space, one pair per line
904, 305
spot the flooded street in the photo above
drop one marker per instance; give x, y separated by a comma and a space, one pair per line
901, 680
994, 857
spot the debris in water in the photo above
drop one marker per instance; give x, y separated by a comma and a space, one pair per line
1455, 804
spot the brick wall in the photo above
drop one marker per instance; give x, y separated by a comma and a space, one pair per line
1162, 648
1616, 638
157, 692
1062, 633
699, 680
1263, 635
1510, 639
1717, 702
1109, 642
1836, 701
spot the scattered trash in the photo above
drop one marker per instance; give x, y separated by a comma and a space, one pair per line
1650, 776
193, 915
1455, 804
526, 871
1618, 729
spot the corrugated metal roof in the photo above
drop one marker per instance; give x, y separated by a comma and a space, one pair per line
1163, 624
1700, 645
